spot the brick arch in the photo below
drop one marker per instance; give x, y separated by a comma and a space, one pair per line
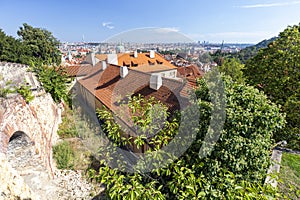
17, 134
39, 121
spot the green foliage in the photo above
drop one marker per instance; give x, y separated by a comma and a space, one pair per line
244, 144
249, 52
292, 132
67, 129
236, 168
25, 92
39, 44
10, 48
6, 89
205, 58
35, 44
276, 70
63, 155
146, 115
218, 57
54, 81
233, 68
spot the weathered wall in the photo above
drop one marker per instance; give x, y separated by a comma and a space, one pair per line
39, 120
12, 184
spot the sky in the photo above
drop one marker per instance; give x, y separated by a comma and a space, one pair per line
234, 21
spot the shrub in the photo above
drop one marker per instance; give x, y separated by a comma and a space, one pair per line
67, 129
63, 155
26, 93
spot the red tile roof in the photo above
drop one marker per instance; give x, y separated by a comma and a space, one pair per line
142, 63
109, 87
190, 73
77, 70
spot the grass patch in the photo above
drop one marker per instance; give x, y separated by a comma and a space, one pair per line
64, 154
289, 176
67, 129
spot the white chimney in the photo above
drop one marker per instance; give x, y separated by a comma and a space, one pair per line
93, 58
123, 71
155, 81
152, 54
104, 65
135, 54
112, 59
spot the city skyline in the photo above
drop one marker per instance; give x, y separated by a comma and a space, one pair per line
96, 21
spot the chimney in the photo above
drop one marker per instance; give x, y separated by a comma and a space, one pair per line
135, 54
152, 54
112, 59
123, 71
104, 65
93, 59
155, 81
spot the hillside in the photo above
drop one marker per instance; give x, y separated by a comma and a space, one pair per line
251, 51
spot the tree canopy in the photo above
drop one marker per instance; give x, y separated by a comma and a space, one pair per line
276, 71
40, 44
10, 48
34, 44
233, 68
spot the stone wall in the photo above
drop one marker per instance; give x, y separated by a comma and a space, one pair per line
39, 120
12, 184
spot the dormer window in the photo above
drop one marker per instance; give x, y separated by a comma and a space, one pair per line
159, 62
151, 62
134, 64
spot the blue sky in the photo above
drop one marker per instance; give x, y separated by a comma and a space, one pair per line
247, 21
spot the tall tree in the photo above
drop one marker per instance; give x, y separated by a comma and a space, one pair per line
40, 44
10, 48
276, 71
233, 68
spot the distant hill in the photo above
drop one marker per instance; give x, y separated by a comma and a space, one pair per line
251, 51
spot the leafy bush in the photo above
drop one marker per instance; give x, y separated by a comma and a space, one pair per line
53, 80
236, 168
63, 155
25, 92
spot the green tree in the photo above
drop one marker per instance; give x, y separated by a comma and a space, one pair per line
39, 44
54, 81
233, 68
205, 58
10, 48
276, 71
235, 169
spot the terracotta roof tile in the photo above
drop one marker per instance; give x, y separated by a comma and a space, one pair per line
109, 87
101, 56
190, 73
77, 70
142, 63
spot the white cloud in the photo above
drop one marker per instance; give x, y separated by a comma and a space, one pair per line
108, 25
267, 5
